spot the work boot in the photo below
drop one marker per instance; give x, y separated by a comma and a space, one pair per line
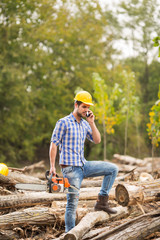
102, 204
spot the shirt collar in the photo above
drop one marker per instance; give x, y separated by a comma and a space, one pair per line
74, 119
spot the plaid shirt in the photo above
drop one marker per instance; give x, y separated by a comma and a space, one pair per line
70, 136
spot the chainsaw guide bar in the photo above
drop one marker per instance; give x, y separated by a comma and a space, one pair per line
31, 186
55, 184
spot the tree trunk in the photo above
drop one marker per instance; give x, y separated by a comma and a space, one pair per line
129, 160
126, 134
28, 199
35, 198
129, 194
36, 166
39, 216
152, 159
22, 178
6, 180
104, 141
8, 235
90, 220
91, 183
125, 168
137, 228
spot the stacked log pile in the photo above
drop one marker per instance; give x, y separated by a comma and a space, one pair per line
40, 215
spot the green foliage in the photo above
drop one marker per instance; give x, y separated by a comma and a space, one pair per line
129, 100
156, 41
106, 105
47, 49
153, 127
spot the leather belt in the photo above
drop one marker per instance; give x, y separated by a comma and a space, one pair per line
64, 166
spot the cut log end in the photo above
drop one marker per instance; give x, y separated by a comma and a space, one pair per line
122, 195
70, 236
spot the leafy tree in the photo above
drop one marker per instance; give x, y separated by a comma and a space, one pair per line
153, 127
142, 22
14, 97
47, 49
129, 100
106, 106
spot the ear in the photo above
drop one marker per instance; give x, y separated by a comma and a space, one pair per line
76, 105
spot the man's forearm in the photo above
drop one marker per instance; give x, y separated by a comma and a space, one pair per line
95, 133
52, 155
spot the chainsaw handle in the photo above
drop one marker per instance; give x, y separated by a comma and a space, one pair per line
47, 175
49, 180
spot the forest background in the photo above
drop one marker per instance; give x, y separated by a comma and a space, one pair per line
49, 49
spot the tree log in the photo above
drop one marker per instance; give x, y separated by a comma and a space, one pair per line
29, 199
124, 168
36, 166
35, 198
91, 183
92, 193
137, 228
8, 235
129, 194
128, 160
6, 180
31, 168
90, 220
94, 233
39, 216
22, 178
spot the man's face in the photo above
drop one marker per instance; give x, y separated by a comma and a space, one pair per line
82, 109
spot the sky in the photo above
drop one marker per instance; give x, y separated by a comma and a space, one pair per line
126, 48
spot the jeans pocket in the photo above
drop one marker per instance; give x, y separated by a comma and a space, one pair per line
67, 170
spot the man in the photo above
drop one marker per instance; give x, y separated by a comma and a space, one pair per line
70, 133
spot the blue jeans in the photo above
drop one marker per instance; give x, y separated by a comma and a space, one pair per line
75, 176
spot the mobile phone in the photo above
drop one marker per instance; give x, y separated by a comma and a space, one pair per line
88, 114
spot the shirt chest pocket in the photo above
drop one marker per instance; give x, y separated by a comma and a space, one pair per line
71, 133
75, 133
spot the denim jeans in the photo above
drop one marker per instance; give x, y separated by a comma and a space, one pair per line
75, 176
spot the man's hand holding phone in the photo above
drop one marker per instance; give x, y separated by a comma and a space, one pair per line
90, 116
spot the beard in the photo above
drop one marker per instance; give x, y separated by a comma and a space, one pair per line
79, 114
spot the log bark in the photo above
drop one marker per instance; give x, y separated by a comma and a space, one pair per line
6, 180
91, 193
91, 183
4, 191
124, 168
36, 166
125, 177
8, 235
35, 198
94, 233
90, 220
29, 199
137, 228
124, 159
22, 178
129, 194
39, 216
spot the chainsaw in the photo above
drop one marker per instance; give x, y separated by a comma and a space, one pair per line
54, 184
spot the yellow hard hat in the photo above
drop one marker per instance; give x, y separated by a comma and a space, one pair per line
84, 97
3, 169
